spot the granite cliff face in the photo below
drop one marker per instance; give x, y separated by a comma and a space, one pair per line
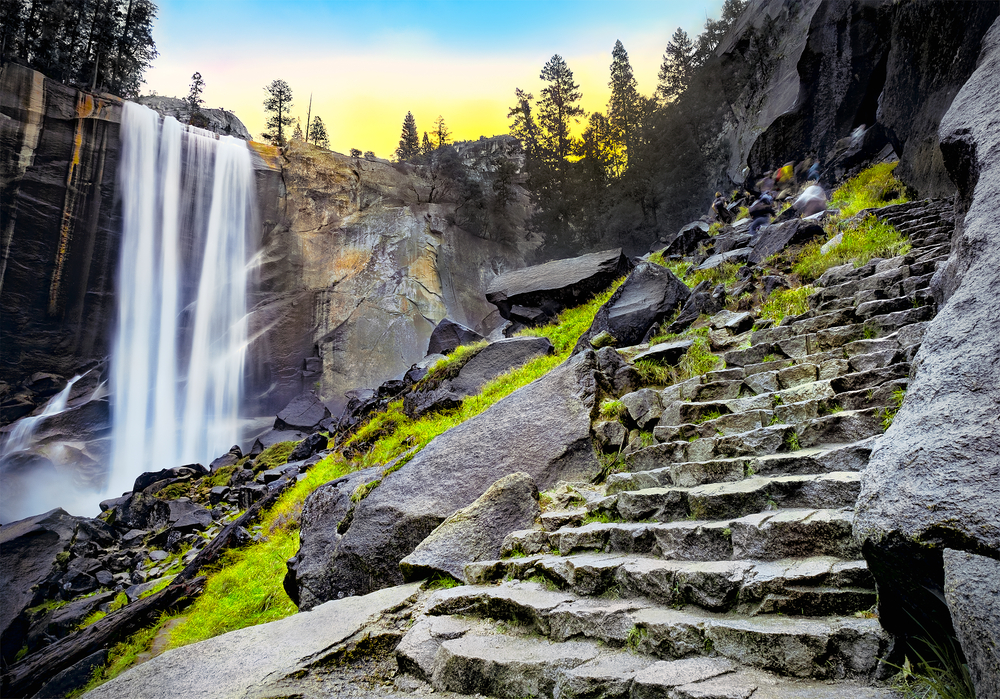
357, 272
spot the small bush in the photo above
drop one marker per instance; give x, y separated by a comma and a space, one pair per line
786, 302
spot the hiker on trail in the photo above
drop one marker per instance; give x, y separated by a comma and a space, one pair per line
761, 212
722, 212
811, 201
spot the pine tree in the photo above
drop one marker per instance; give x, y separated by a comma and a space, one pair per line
558, 108
194, 95
677, 67
623, 108
716, 30
317, 133
425, 145
409, 141
279, 105
524, 127
441, 132
297, 131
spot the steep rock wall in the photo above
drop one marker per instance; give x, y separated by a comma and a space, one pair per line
58, 222
933, 481
356, 273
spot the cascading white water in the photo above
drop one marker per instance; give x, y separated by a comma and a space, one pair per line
177, 364
24, 430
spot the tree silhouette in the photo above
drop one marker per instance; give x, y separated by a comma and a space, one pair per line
278, 105
441, 132
677, 67
194, 94
558, 108
409, 141
317, 133
623, 108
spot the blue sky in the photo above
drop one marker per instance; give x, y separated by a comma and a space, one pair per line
367, 63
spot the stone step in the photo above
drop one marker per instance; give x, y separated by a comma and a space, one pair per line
822, 458
718, 501
829, 647
816, 585
841, 426
763, 536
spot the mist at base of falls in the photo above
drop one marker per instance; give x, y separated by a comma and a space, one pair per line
188, 214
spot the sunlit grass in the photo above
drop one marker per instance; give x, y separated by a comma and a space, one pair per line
697, 360
873, 187
867, 239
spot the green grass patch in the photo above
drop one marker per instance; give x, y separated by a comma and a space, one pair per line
612, 409
696, 361
441, 582
786, 302
871, 188
274, 456
862, 241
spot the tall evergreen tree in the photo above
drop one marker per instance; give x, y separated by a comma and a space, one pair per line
524, 128
194, 94
677, 67
623, 108
558, 109
441, 132
409, 141
297, 131
425, 145
279, 106
318, 134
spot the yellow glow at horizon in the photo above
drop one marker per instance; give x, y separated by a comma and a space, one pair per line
362, 100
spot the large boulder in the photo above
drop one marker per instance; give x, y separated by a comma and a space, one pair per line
304, 412
476, 532
778, 236
448, 335
934, 477
29, 553
535, 295
649, 295
497, 358
450, 473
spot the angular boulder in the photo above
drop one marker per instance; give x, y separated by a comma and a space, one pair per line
497, 358
447, 335
303, 413
542, 291
475, 533
29, 551
450, 473
649, 295
685, 242
933, 481
778, 236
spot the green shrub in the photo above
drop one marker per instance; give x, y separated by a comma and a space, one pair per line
612, 409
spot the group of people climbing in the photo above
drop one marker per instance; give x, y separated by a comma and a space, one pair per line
773, 188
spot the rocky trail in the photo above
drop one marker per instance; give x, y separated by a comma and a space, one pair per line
721, 563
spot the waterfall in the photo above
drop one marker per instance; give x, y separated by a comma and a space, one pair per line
24, 429
187, 200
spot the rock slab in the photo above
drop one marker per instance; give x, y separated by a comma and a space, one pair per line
475, 533
972, 589
451, 472
241, 662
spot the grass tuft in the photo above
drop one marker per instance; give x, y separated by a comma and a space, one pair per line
871, 188
786, 302
862, 241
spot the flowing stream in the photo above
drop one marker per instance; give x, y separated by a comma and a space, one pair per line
177, 364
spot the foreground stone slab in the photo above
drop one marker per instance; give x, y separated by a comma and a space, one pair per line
246, 661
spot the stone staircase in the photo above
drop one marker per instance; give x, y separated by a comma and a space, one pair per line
722, 562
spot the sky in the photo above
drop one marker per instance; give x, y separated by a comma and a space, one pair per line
367, 62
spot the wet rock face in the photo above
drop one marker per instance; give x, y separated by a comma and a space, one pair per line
60, 246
